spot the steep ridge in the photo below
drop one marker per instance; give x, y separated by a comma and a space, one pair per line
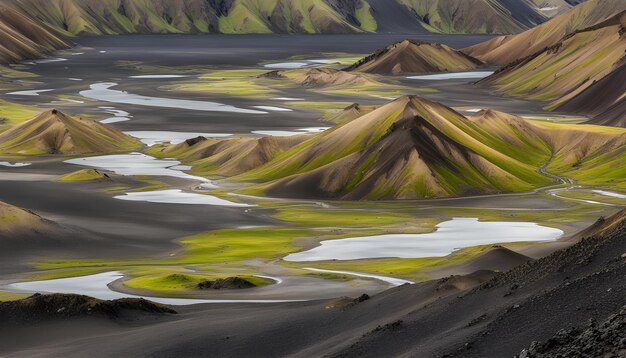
409, 56
54, 132
604, 99
476, 16
23, 37
567, 69
506, 49
225, 158
394, 17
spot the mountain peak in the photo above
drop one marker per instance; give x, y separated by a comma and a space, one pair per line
54, 132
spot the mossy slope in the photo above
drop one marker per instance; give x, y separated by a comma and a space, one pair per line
54, 132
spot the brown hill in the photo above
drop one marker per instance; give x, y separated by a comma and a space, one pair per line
409, 148
409, 56
320, 77
23, 37
229, 157
54, 132
570, 74
506, 49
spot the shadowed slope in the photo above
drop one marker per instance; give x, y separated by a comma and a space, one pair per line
604, 99
23, 37
505, 49
53, 132
415, 57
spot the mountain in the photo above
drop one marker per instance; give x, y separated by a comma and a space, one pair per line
412, 148
409, 148
582, 73
476, 16
506, 49
107, 17
54, 132
23, 37
409, 56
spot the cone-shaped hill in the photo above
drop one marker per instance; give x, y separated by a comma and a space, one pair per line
409, 56
409, 148
583, 73
54, 132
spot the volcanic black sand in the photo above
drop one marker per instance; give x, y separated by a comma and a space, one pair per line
95, 225
484, 314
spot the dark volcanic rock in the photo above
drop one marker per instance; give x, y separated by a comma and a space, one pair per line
40, 307
229, 283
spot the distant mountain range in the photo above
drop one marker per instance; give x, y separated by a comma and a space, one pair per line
289, 16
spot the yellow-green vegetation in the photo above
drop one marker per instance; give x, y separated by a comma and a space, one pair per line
239, 82
473, 16
12, 296
177, 283
53, 132
329, 217
14, 113
588, 194
407, 268
106, 17
84, 175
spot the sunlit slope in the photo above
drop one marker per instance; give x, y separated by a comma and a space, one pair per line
23, 37
97, 17
565, 70
14, 220
505, 49
476, 16
415, 57
409, 148
53, 132
228, 157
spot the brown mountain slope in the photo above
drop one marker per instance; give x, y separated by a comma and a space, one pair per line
409, 148
415, 57
229, 157
23, 37
505, 49
54, 132
476, 16
16, 221
604, 99
566, 70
